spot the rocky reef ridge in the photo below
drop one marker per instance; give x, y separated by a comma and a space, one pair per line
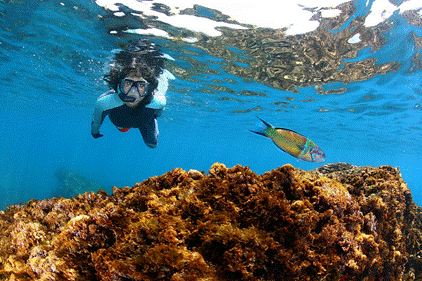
339, 222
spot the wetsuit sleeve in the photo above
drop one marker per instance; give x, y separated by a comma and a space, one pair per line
159, 97
104, 103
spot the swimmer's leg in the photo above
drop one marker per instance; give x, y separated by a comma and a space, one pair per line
150, 133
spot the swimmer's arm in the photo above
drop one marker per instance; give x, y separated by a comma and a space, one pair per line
104, 103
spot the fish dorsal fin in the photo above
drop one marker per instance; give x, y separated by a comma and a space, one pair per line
289, 131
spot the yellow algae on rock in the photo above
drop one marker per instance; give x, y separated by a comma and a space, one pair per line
339, 222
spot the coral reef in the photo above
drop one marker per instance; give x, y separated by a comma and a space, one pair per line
339, 222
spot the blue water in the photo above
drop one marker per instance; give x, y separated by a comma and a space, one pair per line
52, 56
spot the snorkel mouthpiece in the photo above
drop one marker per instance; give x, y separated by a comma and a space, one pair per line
126, 98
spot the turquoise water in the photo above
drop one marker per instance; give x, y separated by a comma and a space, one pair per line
52, 57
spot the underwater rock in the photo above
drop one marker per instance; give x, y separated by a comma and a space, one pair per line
339, 222
71, 183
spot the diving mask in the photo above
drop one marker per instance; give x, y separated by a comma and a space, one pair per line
126, 85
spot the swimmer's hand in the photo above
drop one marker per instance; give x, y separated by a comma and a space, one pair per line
97, 135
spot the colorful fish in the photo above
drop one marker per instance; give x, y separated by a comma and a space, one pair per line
291, 142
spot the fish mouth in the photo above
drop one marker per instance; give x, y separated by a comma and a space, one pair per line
317, 155
318, 158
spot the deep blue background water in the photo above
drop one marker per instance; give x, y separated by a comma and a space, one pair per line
52, 56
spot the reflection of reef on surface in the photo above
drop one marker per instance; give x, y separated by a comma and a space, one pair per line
71, 183
339, 222
316, 58
328, 54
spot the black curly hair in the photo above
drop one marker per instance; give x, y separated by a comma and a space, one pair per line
142, 55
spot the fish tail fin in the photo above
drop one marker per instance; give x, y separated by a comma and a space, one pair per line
261, 128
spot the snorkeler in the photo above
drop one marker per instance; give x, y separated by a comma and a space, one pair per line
138, 83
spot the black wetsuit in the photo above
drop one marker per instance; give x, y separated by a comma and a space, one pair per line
141, 117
